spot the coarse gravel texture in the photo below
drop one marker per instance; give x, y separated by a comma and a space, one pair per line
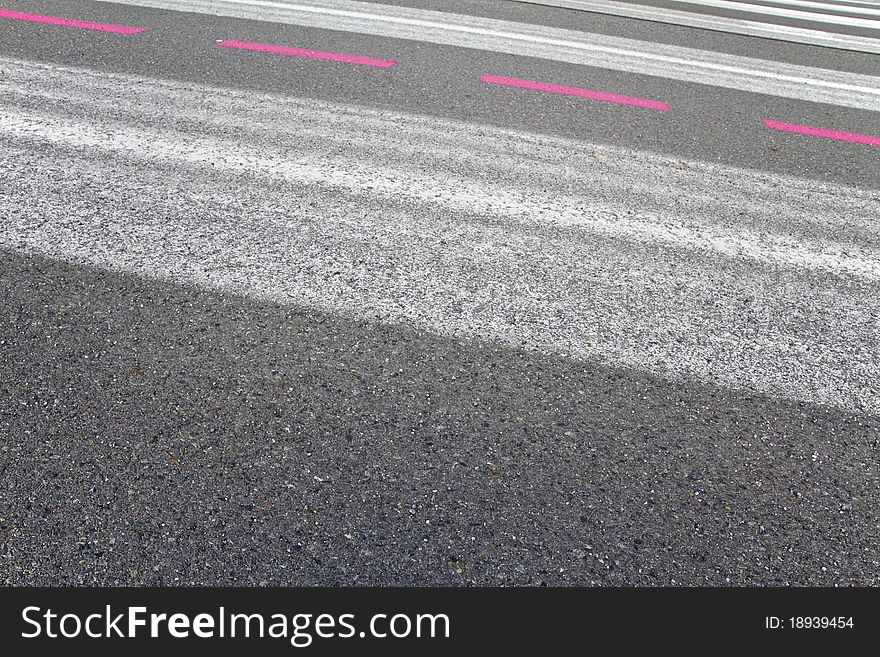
158, 434
685, 268
269, 320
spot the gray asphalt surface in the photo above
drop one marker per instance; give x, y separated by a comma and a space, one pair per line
230, 358
742, 12
537, 12
165, 435
709, 123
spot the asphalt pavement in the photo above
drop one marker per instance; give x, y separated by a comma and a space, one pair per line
403, 309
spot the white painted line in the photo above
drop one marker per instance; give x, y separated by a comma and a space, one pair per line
855, 3
848, 3
629, 55
814, 17
719, 24
686, 269
819, 6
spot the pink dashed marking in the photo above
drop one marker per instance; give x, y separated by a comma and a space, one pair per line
576, 91
822, 132
305, 52
70, 22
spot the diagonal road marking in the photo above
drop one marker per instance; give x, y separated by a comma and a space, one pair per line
308, 53
760, 281
70, 22
615, 53
747, 27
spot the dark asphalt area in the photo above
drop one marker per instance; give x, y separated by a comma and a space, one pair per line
165, 435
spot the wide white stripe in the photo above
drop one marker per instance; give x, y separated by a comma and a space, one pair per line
719, 24
682, 268
457, 195
673, 62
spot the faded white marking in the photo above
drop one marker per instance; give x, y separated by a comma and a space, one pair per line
685, 269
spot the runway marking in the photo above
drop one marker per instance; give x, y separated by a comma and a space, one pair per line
822, 132
809, 16
829, 7
749, 26
575, 91
70, 22
305, 52
703, 67
690, 270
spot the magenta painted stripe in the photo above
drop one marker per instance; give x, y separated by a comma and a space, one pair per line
305, 52
576, 91
70, 22
822, 132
